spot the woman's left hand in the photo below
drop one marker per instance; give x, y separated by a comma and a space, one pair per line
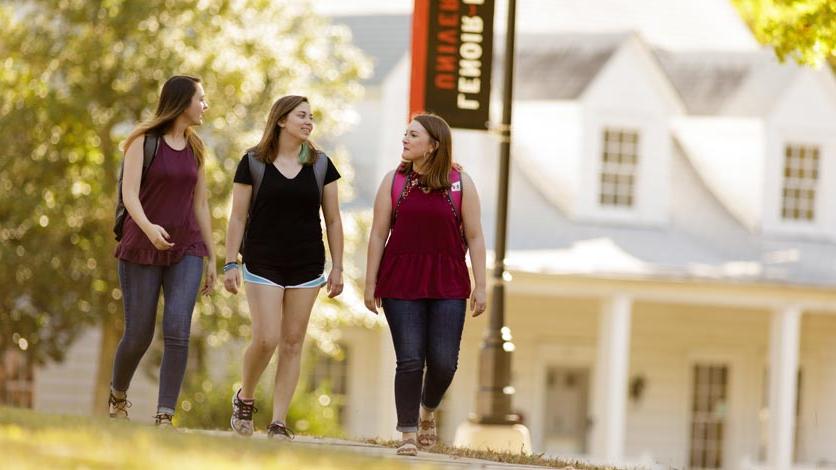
209, 278
335, 282
478, 301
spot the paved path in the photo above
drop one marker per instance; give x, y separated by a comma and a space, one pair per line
423, 459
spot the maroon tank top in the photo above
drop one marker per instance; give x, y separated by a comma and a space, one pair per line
424, 257
167, 197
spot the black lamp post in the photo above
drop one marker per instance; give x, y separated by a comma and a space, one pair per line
493, 402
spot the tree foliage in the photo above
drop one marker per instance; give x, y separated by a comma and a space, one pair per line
75, 76
804, 30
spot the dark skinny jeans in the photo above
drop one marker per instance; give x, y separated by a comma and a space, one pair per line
424, 332
141, 286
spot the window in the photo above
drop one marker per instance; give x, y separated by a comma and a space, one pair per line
618, 167
566, 425
16, 379
801, 173
708, 416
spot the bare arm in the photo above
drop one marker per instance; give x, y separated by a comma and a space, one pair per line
472, 220
334, 229
377, 239
131, 179
241, 194
204, 221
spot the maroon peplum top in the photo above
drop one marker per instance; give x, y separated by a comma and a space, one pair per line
167, 197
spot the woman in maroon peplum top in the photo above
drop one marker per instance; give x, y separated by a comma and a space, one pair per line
165, 236
416, 271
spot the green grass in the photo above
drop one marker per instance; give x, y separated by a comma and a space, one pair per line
30, 440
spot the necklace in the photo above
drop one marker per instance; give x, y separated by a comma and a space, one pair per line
415, 181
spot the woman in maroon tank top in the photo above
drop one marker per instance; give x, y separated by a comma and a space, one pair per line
165, 236
416, 271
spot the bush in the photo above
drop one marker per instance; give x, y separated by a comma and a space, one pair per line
207, 404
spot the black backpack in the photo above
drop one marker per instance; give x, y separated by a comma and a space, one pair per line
257, 169
150, 145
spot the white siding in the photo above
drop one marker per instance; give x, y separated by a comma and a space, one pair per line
818, 363
68, 387
667, 342
547, 144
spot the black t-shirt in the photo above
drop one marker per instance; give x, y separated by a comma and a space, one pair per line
284, 233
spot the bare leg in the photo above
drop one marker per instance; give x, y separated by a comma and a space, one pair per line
266, 310
297, 310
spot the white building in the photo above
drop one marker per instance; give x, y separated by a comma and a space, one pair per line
671, 245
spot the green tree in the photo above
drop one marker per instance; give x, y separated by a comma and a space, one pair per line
75, 76
804, 30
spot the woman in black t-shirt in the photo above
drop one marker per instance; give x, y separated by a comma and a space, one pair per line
284, 256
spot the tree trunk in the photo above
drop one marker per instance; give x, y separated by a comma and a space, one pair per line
111, 323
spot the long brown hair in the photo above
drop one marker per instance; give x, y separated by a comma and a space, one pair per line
175, 97
440, 160
268, 147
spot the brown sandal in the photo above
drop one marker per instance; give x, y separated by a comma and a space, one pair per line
408, 448
427, 433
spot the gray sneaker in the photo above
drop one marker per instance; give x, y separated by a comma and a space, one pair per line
242, 415
118, 407
279, 430
163, 421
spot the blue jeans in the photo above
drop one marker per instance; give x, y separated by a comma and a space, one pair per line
140, 293
424, 332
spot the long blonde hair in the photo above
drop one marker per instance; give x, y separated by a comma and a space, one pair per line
175, 97
268, 147
440, 160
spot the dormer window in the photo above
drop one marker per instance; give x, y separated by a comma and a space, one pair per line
619, 164
801, 174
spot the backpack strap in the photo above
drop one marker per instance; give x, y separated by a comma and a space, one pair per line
455, 192
320, 167
397, 192
150, 145
257, 169
454, 197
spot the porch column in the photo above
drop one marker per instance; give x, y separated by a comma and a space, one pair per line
783, 377
610, 392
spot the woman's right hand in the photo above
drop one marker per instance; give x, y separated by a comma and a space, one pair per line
232, 280
372, 302
159, 237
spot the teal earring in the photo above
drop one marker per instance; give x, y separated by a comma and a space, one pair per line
304, 151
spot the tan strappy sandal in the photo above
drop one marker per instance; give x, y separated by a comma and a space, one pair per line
427, 433
408, 448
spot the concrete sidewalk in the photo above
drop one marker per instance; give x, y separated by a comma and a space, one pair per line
426, 460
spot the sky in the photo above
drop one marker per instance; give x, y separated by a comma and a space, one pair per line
361, 7
671, 24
